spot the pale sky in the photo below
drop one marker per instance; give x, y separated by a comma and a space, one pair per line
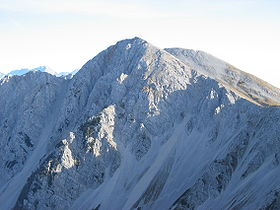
64, 34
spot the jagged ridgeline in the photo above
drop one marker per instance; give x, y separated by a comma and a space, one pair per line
140, 127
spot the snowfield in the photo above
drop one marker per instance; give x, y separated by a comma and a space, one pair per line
140, 127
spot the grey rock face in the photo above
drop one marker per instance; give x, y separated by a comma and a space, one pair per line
140, 128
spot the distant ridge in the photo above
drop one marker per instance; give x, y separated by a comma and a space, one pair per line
46, 69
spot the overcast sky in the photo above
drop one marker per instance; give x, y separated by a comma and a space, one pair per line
64, 34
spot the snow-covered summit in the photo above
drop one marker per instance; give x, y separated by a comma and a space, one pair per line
138, 127
66, 75
24, 71
243, 84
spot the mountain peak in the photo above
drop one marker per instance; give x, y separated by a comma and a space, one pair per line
135, 42
137, 50
172, 118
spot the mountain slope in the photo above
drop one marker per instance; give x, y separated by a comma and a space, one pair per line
137, 128
244, 84
1, 75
